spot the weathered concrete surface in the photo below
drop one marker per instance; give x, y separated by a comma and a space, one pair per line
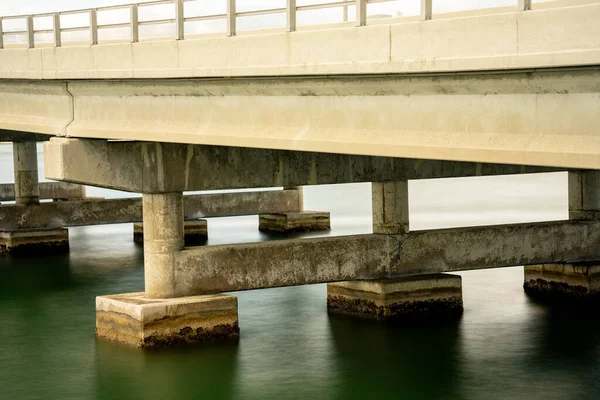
390, 207
533, 117
147, 167
224, 268
34, 242
25, 163
48, 190
114, 211
564, 281
584, 195
193, 231
425, 298
298, 221
554, 36
139, 321
39, 107
163, 239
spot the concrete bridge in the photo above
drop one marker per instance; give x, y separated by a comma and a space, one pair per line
497, 91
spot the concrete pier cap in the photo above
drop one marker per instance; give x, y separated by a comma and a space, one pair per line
563, 281
139, 321
411, 299
34, 241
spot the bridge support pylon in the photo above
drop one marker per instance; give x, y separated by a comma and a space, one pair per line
410, 299
161, 315
27, 197
571, 281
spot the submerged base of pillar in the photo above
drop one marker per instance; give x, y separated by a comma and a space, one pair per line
143, 322
563, 281
301, 221
194, 231
421, 298
34, 241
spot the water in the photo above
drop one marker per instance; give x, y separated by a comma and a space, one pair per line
504, 347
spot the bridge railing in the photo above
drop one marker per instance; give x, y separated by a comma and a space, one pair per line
230, 16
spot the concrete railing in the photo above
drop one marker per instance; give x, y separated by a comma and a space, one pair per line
291, 10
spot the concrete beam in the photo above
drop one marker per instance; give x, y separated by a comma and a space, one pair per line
225, 268
48, 190
114, 211
147, 167
528, 117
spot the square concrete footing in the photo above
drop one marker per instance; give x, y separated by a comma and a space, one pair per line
143, 322
300, 221
427, 298
563, 281
193, 231
34, 241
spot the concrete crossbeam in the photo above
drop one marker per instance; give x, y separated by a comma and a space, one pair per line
146, 167
225, 268
113, 211
48, 190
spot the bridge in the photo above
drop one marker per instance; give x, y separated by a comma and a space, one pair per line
498, 91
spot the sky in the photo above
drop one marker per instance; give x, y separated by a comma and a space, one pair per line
206, 7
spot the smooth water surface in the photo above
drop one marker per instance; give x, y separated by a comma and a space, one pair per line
504, 347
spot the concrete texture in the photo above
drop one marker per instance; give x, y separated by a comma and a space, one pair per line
423, 298
48, 190
390, 207
163, 239
140, 321
25, 162
114, 211
193, 232
492, 39
34, 242
584, 195
565, 281
213, 269
547, 109
147, 167
299, 221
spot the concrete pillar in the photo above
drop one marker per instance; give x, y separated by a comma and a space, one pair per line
425, 297
159, 317
163, 238
564, 281
300, 190
195, 232
390, 207
584, 195
26, 173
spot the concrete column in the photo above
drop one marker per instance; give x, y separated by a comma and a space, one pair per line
300, 190
163, 238
26, 173
390, 207
584, 195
